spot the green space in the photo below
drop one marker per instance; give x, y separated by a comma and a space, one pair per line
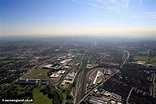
27, 103
8, 61
39, 98
5, 62
141, 58
53, 94
17, 92
40, 94
104, 53
143, 52
36, 74
153, 60
11, 78
69, 98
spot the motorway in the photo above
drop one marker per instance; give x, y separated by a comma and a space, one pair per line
129, 95
102, 82
126, 59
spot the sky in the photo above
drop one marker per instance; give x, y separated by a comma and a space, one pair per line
78, 17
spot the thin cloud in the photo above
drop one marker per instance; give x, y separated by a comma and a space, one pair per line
116, 6
106, 4
150, 15
108, 7
90, 4
119, 3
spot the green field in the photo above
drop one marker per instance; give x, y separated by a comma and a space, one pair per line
20, 91
141, 58
36, 74
7, 61
153, 60
143, 52
104, 53
4, 62
27, 103
39, 98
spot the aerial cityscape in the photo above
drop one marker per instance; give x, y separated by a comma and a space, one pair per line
76, 70
77, 52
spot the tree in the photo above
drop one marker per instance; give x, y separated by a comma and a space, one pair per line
69, 96
50, 95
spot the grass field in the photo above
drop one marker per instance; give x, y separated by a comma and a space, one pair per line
20, 91
7, 61
39, 98
143, 52
27, 103
141, 58
104, 53
36, 74
153, 60
4, 62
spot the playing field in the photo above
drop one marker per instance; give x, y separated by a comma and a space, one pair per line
141, 58
39, 98
153, 60
36, 74
104, 53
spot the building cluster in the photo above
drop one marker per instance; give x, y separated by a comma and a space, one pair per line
69, 78
32, 81
57, 74
63, 62
53, 67
100, 96
60, 68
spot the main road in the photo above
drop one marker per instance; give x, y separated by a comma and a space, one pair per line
125, 59
129, 95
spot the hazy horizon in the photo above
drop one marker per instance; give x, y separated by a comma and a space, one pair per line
123, 18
